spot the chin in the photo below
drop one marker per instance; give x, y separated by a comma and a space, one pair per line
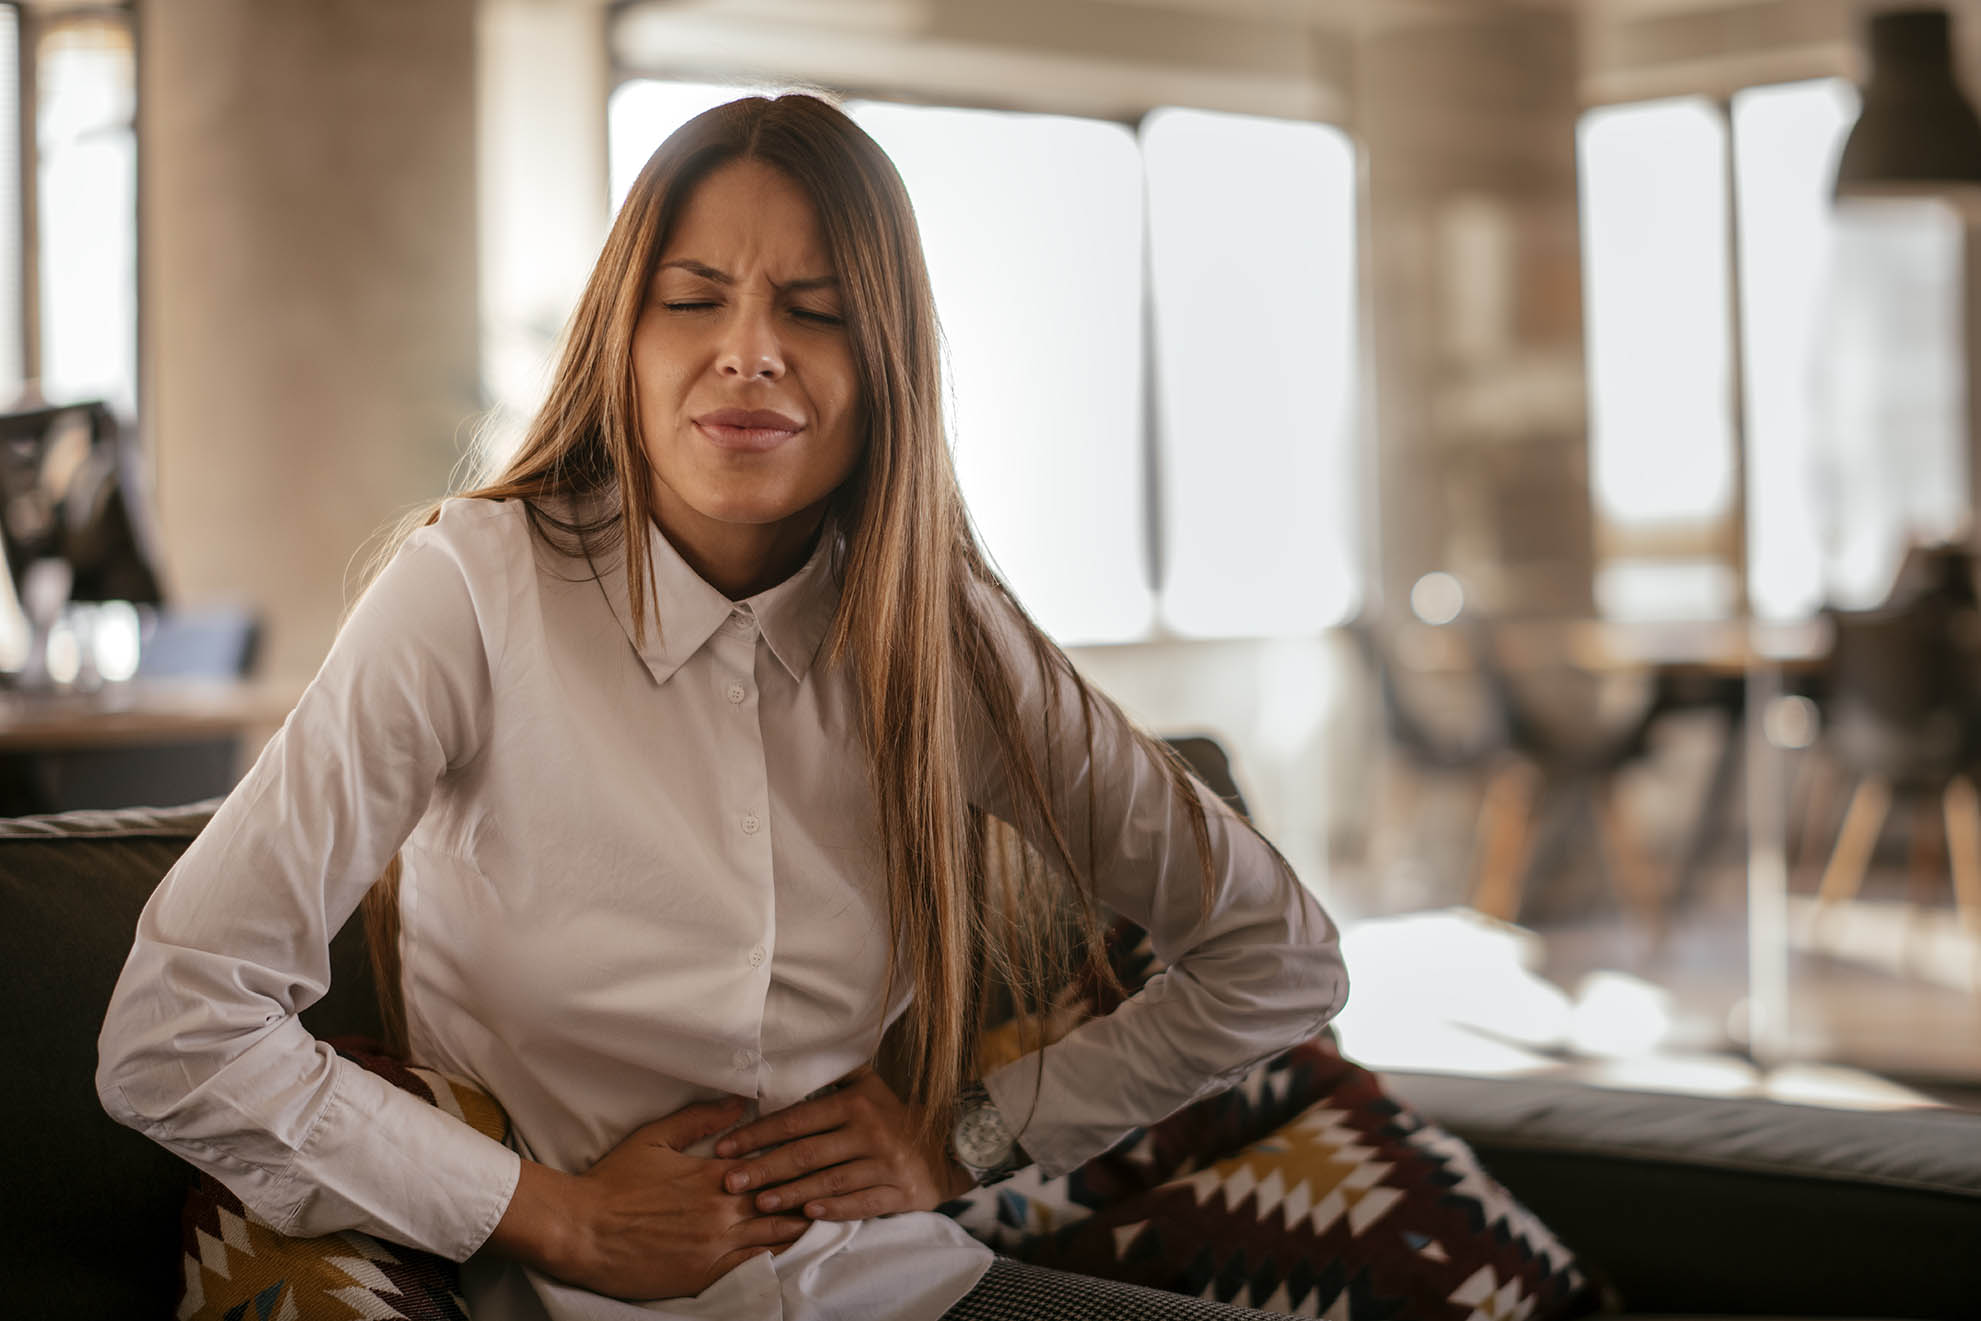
750, 511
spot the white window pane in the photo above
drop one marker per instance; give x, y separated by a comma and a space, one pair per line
1654, 241
1786, 142
11, 351
642, 112
88, 213
1033, 229
1891, 392
1252, 247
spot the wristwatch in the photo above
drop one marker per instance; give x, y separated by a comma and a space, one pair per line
980, 1140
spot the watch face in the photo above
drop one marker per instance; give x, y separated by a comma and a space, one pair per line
982, 1141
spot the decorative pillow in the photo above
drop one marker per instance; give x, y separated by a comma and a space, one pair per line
240, 1268
1304, 1190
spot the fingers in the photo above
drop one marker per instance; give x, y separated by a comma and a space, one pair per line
769, 1231
839, 1181
794, 1159
860, 1206
691, 1124
801, 1120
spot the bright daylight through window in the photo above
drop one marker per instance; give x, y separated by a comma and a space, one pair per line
1850, 365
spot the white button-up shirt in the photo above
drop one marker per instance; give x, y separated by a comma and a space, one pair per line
638, 873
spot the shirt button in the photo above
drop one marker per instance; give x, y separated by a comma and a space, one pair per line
744, 1060
757, 956
750, 823
736, 692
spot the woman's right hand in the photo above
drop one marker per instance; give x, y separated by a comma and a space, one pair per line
646, 1221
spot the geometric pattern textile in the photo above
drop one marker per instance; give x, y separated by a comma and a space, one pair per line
240, 1268
1303, 1190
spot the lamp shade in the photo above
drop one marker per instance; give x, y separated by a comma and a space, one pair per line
1916, 133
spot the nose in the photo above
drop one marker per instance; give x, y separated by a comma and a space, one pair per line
750, 347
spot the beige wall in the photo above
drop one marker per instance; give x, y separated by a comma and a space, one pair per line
1467, 121
307, 222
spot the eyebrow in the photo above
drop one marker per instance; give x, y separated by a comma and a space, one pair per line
714, 276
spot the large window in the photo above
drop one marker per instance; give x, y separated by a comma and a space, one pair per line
1788, 138
1851, 367
86, 147
1654, 232
13, 308
68, 212
1150, 390
1252, 235
1033, 229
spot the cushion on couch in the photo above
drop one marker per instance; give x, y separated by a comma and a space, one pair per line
1305, 1189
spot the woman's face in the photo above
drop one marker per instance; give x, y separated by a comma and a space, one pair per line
748, 393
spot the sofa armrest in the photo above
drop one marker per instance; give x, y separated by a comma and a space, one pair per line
1735, 1205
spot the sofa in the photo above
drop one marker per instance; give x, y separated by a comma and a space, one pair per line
1678, 1205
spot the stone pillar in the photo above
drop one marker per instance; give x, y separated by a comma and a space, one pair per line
307, 248
1474, 259
542, 79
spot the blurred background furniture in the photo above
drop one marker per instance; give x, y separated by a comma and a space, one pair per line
1901, 722
138, 745
1571, 732
68, 500
1206, 759
113, 698
1567, 708
1439, 726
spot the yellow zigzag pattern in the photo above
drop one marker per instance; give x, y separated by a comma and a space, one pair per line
250, 1257
1316, 1168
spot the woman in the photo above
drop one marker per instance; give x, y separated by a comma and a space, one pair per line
693, 732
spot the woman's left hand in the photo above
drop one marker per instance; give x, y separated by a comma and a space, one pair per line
849, 1155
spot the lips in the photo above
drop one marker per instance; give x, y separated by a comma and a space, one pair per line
749, 429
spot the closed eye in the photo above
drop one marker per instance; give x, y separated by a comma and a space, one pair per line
820, 318
687, 306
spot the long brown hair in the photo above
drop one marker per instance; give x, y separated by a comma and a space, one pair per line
985, 917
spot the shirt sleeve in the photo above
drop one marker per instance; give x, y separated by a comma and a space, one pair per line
1256, 972
201, 1048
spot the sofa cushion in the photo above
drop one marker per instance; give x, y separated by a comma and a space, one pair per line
237, 1265
1305, 1189
71, 888
1753, 1204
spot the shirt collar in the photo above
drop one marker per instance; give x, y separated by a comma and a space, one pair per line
793, 616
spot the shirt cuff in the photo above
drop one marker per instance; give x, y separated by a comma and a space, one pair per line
1023, 1092
384, 1161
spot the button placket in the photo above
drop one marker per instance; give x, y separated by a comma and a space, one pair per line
737, 652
